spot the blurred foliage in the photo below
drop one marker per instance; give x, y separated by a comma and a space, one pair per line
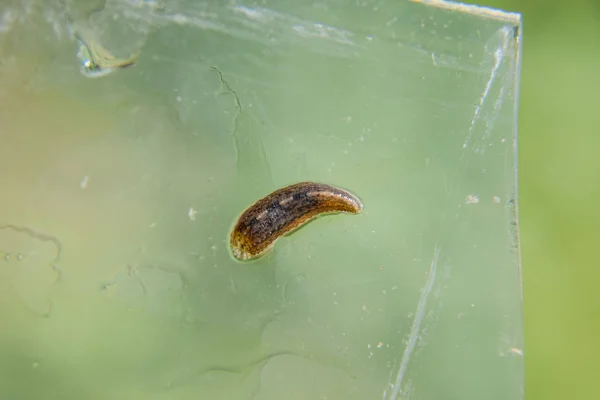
559, 185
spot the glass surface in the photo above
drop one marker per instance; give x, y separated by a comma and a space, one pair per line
120, 185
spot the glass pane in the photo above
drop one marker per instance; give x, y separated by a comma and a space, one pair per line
134, 133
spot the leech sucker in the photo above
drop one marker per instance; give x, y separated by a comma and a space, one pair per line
283, 211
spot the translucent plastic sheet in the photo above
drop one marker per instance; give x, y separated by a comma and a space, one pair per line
133, 133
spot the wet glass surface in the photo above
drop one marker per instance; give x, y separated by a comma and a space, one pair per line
120, 184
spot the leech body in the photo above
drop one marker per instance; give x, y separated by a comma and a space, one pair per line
283, 211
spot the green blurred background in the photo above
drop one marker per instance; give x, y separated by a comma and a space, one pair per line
559, 188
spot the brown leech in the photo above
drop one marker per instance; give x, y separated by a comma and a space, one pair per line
283, 211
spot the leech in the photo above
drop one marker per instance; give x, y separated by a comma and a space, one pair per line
283, 211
